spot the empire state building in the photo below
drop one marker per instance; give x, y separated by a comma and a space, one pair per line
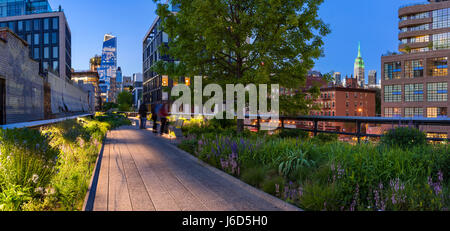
359, 70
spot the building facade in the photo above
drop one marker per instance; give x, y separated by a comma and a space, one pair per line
137, 90
46, 32
91, 78
154, 83
415, 81
108, 69
359, 69
26, 93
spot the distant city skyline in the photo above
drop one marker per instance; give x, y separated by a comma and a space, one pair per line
373, 23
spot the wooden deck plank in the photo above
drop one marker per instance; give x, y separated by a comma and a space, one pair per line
118, 197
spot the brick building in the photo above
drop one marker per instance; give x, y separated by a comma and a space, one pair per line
415, 81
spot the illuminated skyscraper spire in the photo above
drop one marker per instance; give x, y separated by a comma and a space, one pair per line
359, 68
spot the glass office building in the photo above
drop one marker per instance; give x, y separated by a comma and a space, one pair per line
46, 32
108, 67
10, 8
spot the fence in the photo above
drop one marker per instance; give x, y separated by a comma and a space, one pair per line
41, 122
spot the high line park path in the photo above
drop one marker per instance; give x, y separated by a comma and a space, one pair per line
138, 171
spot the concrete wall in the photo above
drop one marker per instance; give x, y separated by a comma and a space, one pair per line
24, 85
66, 97
29, 95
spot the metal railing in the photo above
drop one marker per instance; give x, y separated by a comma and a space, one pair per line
41, 122
358, 121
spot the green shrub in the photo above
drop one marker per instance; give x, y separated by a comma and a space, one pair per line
293, 133
404, 137
270, 185
188, 145
326, 137
254, 176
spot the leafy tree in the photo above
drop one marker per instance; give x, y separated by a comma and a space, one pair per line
244, 41
125, 100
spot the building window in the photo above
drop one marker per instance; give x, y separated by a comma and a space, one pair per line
55, 66
20, 25
36, 53
434, 112
55, 24
46, 39
28, 25
420, 39
54, 38
37, 24
441, 41
392, 70
437, 92
392, 112
439, 135
413, 69
441, 18
413, 112
55, 52
393, 93
46, 53
36, 39
414, 92
438, 66
46, 24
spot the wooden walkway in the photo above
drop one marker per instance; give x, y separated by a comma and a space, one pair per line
142, 172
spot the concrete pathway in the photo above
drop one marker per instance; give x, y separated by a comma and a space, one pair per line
142, 172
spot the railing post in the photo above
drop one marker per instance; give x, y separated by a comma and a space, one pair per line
282, 123
258, 123
316, 125
358, 131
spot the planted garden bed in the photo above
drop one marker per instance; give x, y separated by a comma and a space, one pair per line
50, 168
322, 173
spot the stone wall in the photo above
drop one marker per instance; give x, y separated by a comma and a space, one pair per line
31, 96
24, 85
66, 97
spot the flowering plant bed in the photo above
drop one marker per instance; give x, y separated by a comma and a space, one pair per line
322, 174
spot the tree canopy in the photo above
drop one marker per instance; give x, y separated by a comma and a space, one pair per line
244, 41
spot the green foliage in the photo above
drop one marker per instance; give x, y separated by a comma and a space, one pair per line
293, 161
125, 100
50, 168
404, 137
254, 176
212, 38
293, 133
324, 174
326, 138
108, 106
270, 185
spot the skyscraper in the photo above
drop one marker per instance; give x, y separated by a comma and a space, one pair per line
359, 69
337, 78
372, 78
46, 32
108, 68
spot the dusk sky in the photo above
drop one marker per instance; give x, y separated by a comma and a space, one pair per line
374, 23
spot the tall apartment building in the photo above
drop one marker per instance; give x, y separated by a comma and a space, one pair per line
154, 82
46, 32
415, 82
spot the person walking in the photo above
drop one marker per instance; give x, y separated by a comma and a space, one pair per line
155, 112
143, 111
163, 113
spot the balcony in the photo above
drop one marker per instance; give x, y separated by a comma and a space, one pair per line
414, 22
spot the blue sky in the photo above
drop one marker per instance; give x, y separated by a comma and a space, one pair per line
374, 23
